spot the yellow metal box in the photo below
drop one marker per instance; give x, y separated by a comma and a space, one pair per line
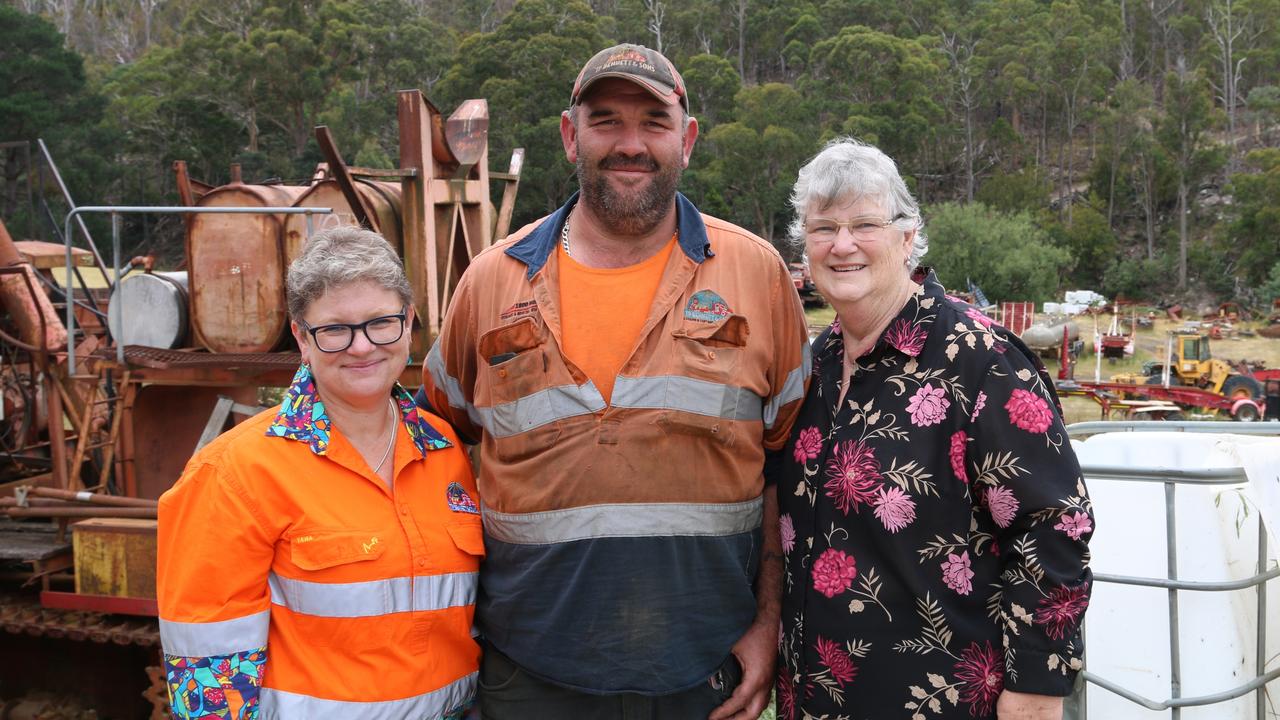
115, 557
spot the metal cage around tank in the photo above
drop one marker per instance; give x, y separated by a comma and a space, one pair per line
1175, 585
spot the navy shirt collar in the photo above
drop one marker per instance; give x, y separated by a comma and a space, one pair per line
534, 249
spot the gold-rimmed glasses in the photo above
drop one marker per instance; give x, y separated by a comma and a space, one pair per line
824, 230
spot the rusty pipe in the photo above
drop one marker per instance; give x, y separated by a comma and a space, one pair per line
36, 502
85, 496
82, 512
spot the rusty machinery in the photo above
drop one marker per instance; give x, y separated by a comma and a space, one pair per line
105, 440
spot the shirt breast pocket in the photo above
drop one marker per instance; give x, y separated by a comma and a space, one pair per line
712, 351
708, 361
337, 595
516, 392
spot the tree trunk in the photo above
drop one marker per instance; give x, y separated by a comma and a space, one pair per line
968, 152
1182, 231
742, 40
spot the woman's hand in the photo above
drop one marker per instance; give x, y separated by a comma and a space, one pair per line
1026, 706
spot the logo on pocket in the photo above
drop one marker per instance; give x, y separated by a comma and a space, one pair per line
459, 500
706, 306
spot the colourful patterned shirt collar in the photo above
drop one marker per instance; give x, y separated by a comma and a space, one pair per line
302, 417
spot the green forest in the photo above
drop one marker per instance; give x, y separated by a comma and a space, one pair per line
1126, 146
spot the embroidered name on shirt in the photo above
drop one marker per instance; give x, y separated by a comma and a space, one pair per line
459, 500
706, 306
521, 309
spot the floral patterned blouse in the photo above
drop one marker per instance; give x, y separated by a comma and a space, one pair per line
934, 526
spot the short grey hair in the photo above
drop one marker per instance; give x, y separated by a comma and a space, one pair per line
340, 256
849, 170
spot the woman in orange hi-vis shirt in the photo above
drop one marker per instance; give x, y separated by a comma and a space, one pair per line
320, 560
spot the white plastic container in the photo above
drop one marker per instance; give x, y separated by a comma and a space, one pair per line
1127, 627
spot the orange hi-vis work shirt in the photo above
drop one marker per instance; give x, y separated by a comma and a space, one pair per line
622, 537
293, 583
603, 310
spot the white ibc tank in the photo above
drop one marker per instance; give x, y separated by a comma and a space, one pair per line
1127, 627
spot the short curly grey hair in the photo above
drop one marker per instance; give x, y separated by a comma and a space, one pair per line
848, 170
340, 256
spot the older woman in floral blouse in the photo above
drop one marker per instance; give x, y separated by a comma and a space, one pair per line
934, 520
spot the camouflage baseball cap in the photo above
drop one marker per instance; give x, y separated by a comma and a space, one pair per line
647, 68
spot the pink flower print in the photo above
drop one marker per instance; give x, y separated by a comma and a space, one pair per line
1059, 611
852, 476
833, 572
981, 673
957, 456
787, 528
895, 509
928, 406
786, 693
1029, 411
978, 404
957, 574
906, 336
1075, 524
976, 315
835, 327
808, 445
836, 660
1002, 505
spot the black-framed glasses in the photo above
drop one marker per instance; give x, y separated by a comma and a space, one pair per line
336, 337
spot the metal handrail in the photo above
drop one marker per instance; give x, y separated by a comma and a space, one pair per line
1171, 478
115, 212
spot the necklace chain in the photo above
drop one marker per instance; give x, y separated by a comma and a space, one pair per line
564, 233
391, 441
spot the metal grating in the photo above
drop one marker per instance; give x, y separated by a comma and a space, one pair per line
162, 359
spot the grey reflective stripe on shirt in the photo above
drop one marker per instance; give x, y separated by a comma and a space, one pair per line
792, 387
208, 639
276, 704
539, 408
375, 597
676, 392
624, 520
452, 388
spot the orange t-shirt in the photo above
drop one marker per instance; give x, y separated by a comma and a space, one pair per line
603, 310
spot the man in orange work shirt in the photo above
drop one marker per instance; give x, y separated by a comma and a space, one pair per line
625, 363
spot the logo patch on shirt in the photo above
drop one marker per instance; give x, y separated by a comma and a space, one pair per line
521, 309
459, 500
706, 306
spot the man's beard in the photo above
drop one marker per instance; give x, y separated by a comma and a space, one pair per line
632, 214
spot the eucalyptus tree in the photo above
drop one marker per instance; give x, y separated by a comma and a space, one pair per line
754, 160
1184, 134
877, 87
525, 69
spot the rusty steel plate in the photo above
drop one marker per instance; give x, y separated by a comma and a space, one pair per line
30, 542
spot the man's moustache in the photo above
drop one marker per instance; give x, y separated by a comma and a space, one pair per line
629, 163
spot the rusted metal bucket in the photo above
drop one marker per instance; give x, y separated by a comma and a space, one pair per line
236, 265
